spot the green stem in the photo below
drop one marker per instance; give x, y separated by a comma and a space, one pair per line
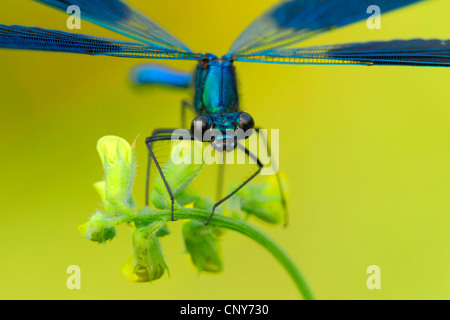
220, 221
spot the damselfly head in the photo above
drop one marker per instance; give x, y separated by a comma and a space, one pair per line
246, 121
224, 142
223, 130
199, 126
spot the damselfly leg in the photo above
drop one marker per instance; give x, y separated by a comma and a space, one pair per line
260, 166
262, 133
149, 143
151, 139
221, 172
185, 105
162, 135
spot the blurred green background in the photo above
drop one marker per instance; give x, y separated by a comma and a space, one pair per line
367, 150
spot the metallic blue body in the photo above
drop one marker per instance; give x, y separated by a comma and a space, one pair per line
215, 86
159, 74
216, 94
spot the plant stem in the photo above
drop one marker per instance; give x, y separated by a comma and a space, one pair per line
220, 221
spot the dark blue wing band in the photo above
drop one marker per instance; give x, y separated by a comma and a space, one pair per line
32, 38
119, 17
416, 52
295, 20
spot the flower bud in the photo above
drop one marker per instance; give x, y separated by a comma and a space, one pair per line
203, 245
147, 263
97, 229
117, 157
264, 200
100, 188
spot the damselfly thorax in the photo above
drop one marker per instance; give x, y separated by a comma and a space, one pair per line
216, 103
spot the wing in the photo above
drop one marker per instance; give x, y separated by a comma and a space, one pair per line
295, 20
32, 38
119, 17
416, 52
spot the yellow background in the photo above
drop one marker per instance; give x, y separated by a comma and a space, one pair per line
367, 150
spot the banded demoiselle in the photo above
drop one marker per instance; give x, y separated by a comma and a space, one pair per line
269, 39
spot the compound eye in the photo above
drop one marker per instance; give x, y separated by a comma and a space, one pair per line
246, 121
199, 126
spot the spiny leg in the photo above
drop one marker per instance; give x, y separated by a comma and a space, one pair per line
280, 186
184, 105
155, 133
260, 165
149, 142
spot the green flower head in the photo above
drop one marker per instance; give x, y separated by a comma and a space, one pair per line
147, 263
117, 157
203, 245
202, 242
97, 229
263, 200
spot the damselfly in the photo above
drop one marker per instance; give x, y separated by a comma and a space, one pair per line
268, 39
